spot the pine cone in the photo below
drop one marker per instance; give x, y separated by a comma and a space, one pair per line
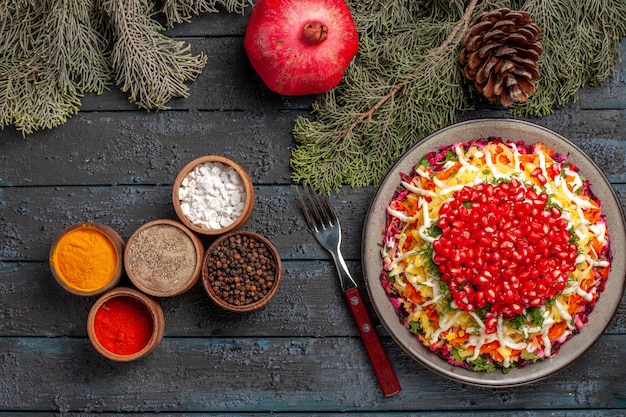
500, 55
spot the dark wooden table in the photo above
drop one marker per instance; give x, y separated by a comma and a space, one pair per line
301, 354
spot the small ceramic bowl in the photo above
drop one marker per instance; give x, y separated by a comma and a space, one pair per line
86, 258
241, 271
213, 195
163, 258
125, 324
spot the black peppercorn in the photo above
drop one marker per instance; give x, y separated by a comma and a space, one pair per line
241, 270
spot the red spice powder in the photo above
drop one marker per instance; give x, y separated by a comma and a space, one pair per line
123, 325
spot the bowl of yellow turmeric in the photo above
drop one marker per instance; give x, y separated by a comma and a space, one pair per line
86, 258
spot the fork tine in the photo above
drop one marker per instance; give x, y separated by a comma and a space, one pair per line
314, 206
327, 208
305, 208
311, 209
317, 206
317, 209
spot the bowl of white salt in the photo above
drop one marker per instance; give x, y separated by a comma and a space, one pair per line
213, 195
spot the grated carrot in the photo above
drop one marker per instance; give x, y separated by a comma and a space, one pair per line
413, 294
594, 215
556, 330
596, 245
497, 356
490, 347
444, 175
460, 340
427, 184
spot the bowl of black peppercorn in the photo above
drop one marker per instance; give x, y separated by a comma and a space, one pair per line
241, 271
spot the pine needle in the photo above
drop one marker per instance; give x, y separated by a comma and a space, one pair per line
406, 82
54, 51
43, 53
411, 77
180, 11
149, 65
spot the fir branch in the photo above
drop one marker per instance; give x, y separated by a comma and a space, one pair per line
41, 77
580, 46
54, 51
149, 65
453, 33
180, 11
406, 82
367, 142
75, 47
30, 99
383, 17
19, 25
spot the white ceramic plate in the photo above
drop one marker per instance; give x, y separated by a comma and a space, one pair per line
605, 307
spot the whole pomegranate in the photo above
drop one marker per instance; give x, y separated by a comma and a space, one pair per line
301, 47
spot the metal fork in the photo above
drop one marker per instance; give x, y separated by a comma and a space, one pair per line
324, 224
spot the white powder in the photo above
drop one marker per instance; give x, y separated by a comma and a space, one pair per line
212, 195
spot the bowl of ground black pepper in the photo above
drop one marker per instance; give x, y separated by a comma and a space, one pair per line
125, 324
163, 258
241, 271
213, 195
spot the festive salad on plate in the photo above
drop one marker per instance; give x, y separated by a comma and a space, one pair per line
494, 252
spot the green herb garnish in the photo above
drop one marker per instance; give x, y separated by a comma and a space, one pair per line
482, 365
536, 316
433, 230
416, 327
529, 356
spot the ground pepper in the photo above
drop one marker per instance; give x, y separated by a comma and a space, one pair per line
123, 325
242, 270
161, 258
85, 259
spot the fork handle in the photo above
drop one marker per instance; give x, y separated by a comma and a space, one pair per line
380, 362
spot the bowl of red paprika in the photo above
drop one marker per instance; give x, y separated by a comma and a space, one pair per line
125, 324
86, 258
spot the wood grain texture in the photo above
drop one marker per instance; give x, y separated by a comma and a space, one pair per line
301, 354
31, 217
113, 148
276, 374
422, 413
308, 303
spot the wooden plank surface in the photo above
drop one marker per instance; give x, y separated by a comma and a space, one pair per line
113, 148
301, 354
276, 374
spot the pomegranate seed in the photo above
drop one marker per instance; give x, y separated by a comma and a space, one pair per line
516, 308
538, 174
542, 179
491, 325
482, 280
502, 249
479, 299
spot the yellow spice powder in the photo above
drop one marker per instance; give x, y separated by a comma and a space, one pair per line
85, 258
